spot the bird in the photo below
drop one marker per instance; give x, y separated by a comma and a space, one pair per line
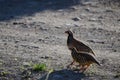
83, 58
72, 42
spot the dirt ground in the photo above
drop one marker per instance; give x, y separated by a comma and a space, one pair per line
32, 32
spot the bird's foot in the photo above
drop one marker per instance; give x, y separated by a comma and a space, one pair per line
68, 66
83, 69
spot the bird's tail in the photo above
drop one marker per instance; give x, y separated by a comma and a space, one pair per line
97, 62
92, 52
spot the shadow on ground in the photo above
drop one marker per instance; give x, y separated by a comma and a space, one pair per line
64, 75
10, 9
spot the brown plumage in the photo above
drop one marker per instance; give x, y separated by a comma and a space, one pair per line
72, 42
83, 58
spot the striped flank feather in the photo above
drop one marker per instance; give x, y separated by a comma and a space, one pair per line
83, 58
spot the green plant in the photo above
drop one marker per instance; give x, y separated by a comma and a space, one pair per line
39, 67
49, 72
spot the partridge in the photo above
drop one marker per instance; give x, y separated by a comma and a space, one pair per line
83, 58
72, 42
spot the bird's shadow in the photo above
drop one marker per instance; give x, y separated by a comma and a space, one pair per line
64, 75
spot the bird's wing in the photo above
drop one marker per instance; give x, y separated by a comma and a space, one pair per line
88, 57
81, 46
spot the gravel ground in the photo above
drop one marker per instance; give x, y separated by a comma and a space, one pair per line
32, 32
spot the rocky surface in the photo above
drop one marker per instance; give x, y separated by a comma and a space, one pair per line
32, 32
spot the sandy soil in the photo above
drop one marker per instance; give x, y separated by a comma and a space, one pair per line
32, 31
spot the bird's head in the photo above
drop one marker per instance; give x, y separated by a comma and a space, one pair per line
69, 32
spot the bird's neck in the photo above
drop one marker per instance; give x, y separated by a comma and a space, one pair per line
70, 39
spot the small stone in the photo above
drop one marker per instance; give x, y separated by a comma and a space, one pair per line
46, 57
15, 23
43, 29
26, 63
100, 17
68, 24
87, 9
15, 59
76, 19
16, 41
35, 47
5, 43
16, 46
93, 19
74, 8
76, 25
114, 50
118, 20
118, 39
91, 41
108, 10
58, 27
60, 10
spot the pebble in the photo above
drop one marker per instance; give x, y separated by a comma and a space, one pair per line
58, 27
93, 19
45, 57
74, 8
76, 19
118, 20
87, 9
108, 10
26, 63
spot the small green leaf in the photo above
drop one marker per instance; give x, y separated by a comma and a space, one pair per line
39, 67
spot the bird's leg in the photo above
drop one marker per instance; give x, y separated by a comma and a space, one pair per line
71, 64
85, 67
81, 68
